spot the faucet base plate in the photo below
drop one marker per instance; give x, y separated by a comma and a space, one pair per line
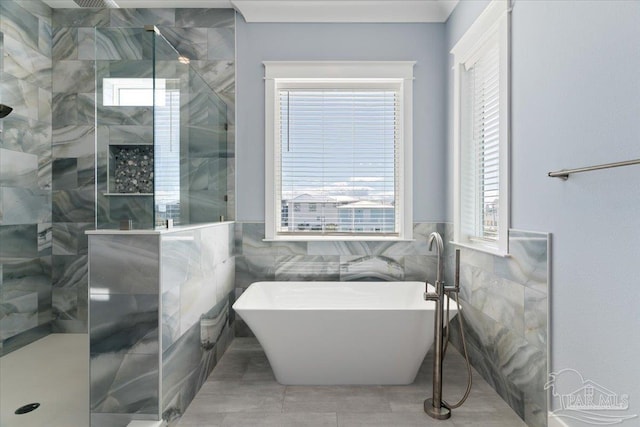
441, 413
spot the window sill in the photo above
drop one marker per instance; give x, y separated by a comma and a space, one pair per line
337, 239
482, 248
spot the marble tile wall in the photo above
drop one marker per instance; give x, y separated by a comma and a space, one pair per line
25, 174
204, 35
505, 306
148, 295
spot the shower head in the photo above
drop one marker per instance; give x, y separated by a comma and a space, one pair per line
4, 111
110, 4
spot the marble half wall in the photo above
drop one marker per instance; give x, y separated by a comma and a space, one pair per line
160, 319
26, 284
505, 306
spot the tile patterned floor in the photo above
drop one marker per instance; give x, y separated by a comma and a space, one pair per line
241, 391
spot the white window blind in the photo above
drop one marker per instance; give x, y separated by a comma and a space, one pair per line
337, 161
480, 171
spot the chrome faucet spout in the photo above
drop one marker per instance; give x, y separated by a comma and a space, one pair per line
435, 237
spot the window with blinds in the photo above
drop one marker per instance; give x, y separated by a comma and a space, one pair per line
481, 132
338, 150
481, 145
337, 161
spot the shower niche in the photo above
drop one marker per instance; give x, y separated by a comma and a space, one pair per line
130, 170
161, 134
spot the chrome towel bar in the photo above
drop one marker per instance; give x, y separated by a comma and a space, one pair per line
564, 174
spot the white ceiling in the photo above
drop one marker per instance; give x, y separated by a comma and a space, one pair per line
308, 10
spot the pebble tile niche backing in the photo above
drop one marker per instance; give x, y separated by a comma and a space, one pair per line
133, 169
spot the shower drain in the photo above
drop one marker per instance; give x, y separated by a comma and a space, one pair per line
27, 408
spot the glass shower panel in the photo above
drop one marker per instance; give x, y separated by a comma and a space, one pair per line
190, 136
124, 128
161, 135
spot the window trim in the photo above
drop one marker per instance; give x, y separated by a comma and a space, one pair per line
493, 21
329, 71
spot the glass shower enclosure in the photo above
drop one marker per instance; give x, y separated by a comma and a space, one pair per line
161, 138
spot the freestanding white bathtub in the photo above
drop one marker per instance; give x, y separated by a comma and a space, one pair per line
329, 333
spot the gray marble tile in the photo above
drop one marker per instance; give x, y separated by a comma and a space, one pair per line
141, 17
170, 317
186, 366
73, 76
26, 135
498, 298
346, 248
251, 269
221, 43
120, 43
71, 272
65, 43
219, 75
73, 205
24, 206
21, 95
189, 42
136, 258
69, 238
535, 318
65, 174
205, 142
65, 304
206, 206
17, 23
86, 43
65, 110
44, 105
73, 141
307, 268
504, 359
18, 169
36, 8
18, 241
139, 116
124, 383
527, 263
212, 18
25, 277
19, 312
371, 268
86, 171
83, 17
45, 239
45, 37
420, 268
129, 134
27, 64
124, 323
113, 209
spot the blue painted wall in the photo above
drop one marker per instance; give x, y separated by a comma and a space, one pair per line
576, 102
423, 43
